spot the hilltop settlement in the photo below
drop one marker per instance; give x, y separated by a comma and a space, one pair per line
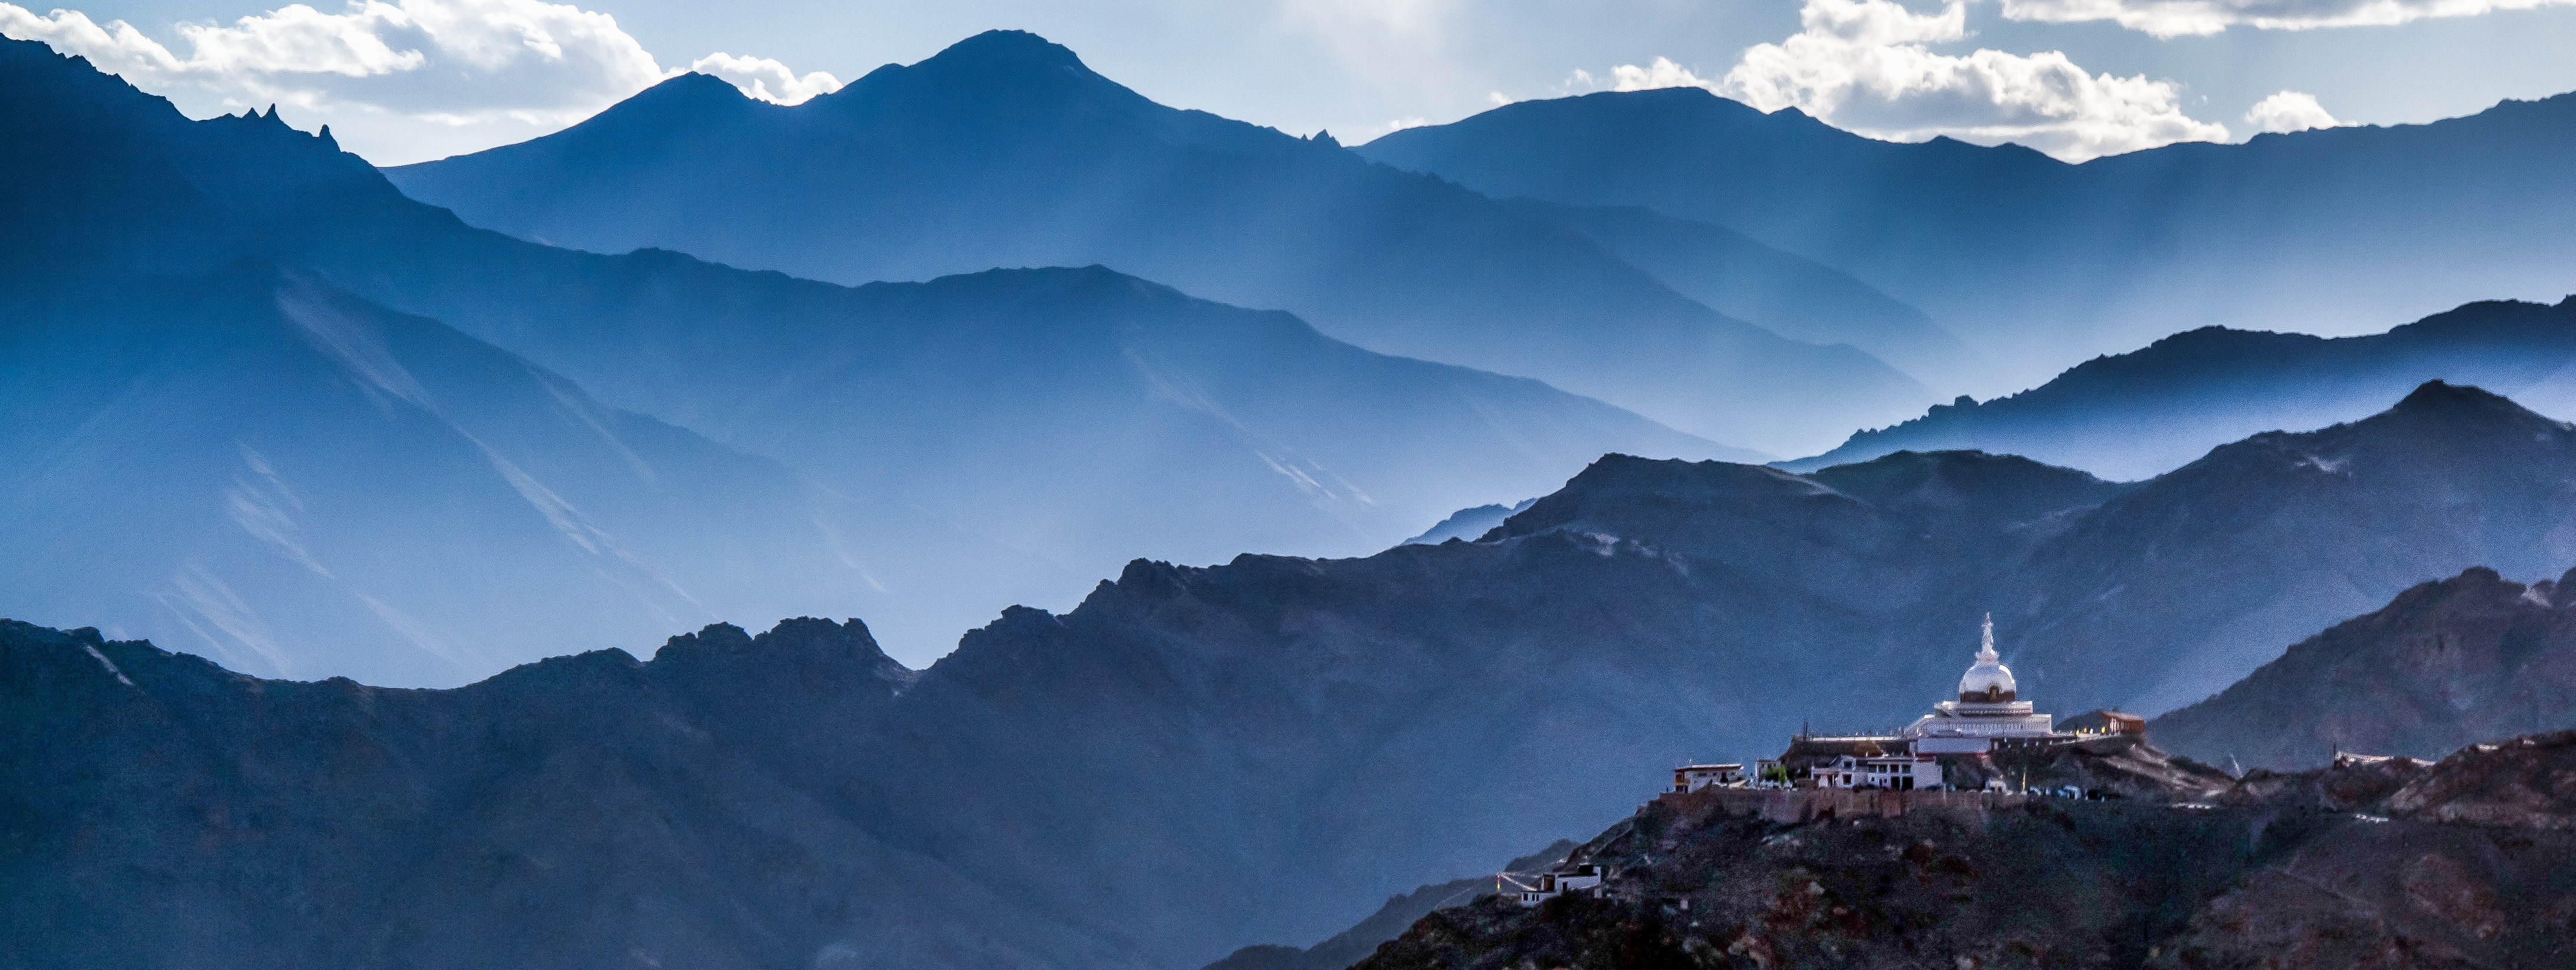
1955, 747
1987, 749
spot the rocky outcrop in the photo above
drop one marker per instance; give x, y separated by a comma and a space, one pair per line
2119, 766
2354, 783
2275, 881
2386, 895
2527, 783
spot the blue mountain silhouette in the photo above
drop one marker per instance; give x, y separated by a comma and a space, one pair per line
1004, 150
1011, 435
2140, 414
2041, 264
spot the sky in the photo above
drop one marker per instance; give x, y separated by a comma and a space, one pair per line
412, 80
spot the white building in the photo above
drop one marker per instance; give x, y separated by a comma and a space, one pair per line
1532, 889
1691, 778
1896, 772
1985, 712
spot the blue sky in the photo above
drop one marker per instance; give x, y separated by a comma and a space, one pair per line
416, 79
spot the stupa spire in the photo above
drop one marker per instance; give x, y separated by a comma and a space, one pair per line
1986, 642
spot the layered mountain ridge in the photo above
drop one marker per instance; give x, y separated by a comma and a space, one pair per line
269, 408
2040, 264
1011, 434
2149, 411
1010, 152
1785, 293
1131, 776
335, 489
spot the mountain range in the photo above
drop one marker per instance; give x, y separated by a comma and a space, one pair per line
1005, 150
1200, 759
1011, 435
2444, 665
2039, 264
2143, 413
269, 406
264, 469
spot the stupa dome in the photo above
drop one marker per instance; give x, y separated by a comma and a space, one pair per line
1988, 681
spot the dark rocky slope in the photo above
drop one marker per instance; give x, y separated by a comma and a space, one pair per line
1390, 921
2143, 413
2443, 664
2276, 883
588, 811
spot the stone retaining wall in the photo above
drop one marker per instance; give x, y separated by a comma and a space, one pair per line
1804, 804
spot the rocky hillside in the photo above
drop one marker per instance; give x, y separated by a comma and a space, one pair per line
2528, 782
2275, 882
2443, 664
588, 811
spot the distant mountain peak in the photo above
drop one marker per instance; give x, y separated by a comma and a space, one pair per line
2440, 397
695, 84
1004, 58
1001, 73
688, 93
1016, 47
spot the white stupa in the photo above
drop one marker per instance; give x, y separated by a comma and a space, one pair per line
1985, 711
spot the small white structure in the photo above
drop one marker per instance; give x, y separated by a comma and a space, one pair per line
1985, 712
1532, 889
1691, 778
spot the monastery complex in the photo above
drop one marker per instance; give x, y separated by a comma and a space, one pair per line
1943, 762
1988, 716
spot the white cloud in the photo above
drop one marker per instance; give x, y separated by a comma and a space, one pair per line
479, 72
766, 79
2288, 111
1663, 73
1866, 66
2174, 18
